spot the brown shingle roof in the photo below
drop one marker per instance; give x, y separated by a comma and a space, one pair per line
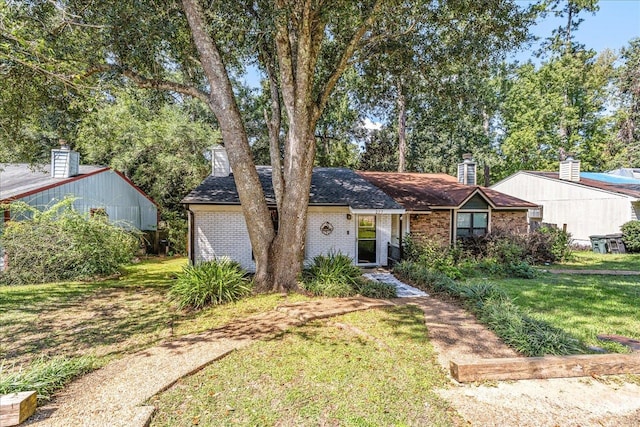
425, 191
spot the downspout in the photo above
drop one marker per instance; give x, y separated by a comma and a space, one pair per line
400, 235
452, 228
191, 242
6, 217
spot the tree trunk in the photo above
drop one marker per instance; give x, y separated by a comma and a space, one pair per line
402, 128
222, 103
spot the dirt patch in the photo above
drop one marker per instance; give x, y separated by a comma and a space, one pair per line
456, 335
98, 324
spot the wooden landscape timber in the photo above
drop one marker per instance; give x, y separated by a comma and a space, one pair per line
520, 368
17, 407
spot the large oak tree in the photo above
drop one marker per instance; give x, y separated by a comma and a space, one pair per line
197, 48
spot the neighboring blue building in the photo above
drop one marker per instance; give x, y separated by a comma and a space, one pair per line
94, 187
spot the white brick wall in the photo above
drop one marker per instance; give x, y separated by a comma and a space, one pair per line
342, 239
219, 232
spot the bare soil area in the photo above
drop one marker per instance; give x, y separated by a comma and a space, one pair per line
456, 335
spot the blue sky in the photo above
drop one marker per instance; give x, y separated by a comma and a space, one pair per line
612, 27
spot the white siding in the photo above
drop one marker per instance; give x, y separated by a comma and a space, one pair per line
586, 211
383, 235
124, 204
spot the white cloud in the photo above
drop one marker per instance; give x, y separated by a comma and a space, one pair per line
371, 125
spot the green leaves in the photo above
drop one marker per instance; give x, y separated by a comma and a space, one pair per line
210, 283
62, 244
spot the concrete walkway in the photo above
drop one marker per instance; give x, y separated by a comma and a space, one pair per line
114, 395
403, 290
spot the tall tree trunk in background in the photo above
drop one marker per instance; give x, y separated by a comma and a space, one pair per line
402, 128
564, 130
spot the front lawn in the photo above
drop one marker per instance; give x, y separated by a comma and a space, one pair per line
82, 325
368, 368
585, 260
583, 305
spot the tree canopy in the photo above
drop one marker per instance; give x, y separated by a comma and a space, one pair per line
432, 72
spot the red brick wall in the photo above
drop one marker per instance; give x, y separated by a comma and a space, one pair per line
515, 221
435, 226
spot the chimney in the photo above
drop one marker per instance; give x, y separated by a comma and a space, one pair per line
65, 162
219, 161
467, 170
570, 169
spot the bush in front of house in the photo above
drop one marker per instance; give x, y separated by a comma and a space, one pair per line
210, 283
517, 328
60, 243
631, 236
334, 275
373, 289
444, 259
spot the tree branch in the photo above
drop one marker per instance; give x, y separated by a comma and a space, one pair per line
344, 60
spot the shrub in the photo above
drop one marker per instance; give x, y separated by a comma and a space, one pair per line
432, 254
63, 244
210, 283
373, 289
498, 311
332, 275
631, 235
44, 375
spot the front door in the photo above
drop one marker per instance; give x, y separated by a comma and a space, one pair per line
367, 239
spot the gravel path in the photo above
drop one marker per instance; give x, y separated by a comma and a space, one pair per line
115, 395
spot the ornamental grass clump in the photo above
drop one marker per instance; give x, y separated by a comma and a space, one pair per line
332, 275
44, 375
210, 283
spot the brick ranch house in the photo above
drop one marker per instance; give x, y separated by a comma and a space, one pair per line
442, 208
361, 214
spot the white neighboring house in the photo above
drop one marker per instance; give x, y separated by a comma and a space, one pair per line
96, 188
346, 214
586, 204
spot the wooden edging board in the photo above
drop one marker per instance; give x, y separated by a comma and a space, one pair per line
520, 368
17, 407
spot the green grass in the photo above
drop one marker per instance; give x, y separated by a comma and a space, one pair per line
584, 260
105, 319
583, 305
45, 375
363, 369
